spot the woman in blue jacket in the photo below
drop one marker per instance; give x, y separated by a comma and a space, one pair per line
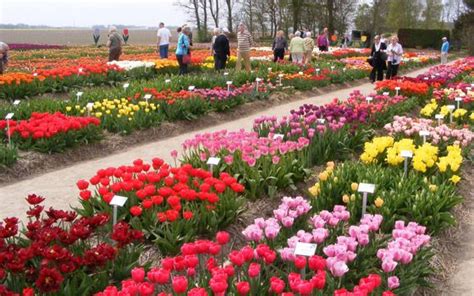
182, 50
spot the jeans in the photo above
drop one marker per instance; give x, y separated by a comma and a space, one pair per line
392, 70
164, 51
183, 68
245, 57
219, 62
278, 54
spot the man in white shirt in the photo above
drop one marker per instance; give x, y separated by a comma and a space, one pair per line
164, 37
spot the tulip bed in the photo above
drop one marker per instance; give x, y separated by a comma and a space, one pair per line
123, 110
178, 209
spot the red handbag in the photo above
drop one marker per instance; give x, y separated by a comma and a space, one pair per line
187, 59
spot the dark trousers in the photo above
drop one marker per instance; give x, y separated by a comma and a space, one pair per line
392, 70
164, 51
278, 54
323, 48
114, 54
377, 71
183, 68
219, 62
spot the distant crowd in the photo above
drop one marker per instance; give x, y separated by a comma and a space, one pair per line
385, 55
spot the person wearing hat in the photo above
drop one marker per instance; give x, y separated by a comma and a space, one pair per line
114, 44
3, 56
444, 50
221, 49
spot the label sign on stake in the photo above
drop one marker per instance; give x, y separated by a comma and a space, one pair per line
458, 101
147, 97
9, 116
439, 117
300, 73
167, 80
16, 102
126, 85
79, 95
369, 99
269, 69
258, 80
397, 89
386, 93
406, 154
424, 134
451, 108
321, 120
191, 87
333, 67
229, 83
365, 188
226, 73
280, 76
305, 249
117, 201
212, 161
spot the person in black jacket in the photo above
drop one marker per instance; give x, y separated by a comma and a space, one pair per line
221, 50
279, 46
378, 59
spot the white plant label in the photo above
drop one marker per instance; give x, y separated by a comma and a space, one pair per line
229, 82
366, 187
300, 73
280, 75
167, 80
386, 93
213, 161
369, 99
424, 133
321, 120
226, 73
118, 200
451, 107
191, 87
406, 153
79, 93
258, 79
397, 88
16, 102
333, 67
305, 249
458, 99
89, 106
269, 69
9, 116
439, 116
147, 97
35, 74
126, 85
276, 136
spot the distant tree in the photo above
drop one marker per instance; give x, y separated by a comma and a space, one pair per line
404, 14
372, 17
464, 26
432, 14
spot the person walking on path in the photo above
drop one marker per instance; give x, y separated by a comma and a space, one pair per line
221, 50
164, 38
279, 46
297, 48
244, 42
345, 41
395, 53
114, 44
3, 57
308, 48
323, 41
378, 59
182, 50
444, 50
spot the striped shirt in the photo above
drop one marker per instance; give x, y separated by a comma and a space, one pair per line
308, 44
244, 41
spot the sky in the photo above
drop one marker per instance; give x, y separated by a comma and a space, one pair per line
86, 13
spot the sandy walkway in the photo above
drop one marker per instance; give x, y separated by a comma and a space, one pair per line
59, 186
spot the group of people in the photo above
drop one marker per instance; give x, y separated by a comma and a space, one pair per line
3, 56
301, 46
388, 57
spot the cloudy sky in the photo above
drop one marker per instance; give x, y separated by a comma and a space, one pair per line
90, 12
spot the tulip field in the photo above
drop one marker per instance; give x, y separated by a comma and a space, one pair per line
357, 192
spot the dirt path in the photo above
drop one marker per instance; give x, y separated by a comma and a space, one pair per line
59, 186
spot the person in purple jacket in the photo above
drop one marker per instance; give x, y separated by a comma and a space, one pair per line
323, 41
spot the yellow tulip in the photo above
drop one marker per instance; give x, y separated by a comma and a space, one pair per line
378, 202
68, 108
345, 198
354, 186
